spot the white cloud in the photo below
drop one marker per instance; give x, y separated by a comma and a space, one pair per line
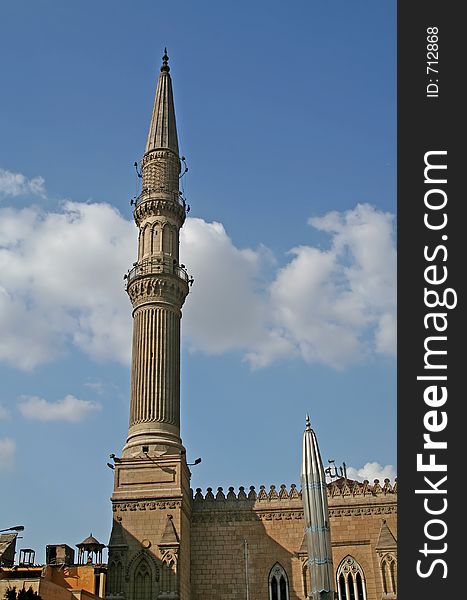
335, 307
62, 278
62, 286
224, 310
4, 413
16, 184
7, 453
70, 409
372, 471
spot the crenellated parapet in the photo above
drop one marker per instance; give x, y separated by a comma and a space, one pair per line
345, 497
338, 488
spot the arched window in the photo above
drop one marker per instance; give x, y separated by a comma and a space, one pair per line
167, 239
278, 583
145, 242
118, 578
350, 580
114, 578
142, 581
155, 238
389, 574
305, 575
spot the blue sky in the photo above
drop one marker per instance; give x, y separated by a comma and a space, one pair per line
287, 118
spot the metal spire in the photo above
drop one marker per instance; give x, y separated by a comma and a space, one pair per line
315, 506
165, 62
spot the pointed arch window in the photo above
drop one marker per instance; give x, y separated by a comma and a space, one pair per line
350, 580
278, 583
155, 238
145, 241
114, 578
167, 239
142, 581
389, 575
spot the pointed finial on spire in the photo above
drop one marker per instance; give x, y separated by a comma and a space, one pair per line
308, 424
165, 62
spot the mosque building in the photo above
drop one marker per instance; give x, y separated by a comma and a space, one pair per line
169, 541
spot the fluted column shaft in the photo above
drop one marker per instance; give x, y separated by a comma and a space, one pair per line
155, 383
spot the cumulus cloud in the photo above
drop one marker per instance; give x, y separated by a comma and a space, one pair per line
372, 471
225, 309
62, 286
7, 453
70, 409
335, 306
16, 184
62, 282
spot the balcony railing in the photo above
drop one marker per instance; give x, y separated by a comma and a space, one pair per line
154, 267
146, 195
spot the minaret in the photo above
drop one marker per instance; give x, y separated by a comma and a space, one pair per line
149, 548
157, 286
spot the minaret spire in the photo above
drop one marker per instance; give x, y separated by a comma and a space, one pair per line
163, 128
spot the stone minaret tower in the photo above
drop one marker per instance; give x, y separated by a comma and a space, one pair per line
150, 541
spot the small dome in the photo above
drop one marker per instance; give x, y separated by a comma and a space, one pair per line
90, 541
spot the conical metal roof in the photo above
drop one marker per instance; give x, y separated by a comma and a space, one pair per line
163, 128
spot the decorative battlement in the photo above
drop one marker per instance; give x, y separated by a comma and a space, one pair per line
340, 487
346, 498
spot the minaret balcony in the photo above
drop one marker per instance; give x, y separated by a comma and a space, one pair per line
152, 194
154, 266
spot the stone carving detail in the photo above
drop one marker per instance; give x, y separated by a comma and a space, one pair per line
230, 516
169, 557
156, 288
149, 505
221, 516
160, 169
363, 510
156, 207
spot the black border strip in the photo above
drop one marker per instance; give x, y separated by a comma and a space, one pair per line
430, 120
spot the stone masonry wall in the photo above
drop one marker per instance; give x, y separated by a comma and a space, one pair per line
272, 524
